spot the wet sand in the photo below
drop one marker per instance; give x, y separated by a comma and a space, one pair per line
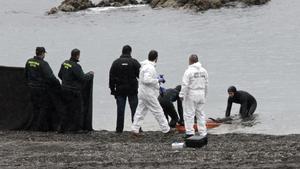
103, 149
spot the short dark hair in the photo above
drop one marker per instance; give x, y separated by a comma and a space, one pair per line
39, 51
194, 58
75, 53
232, 89
152, 55
126, 50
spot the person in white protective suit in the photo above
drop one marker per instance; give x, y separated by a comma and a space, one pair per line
147, 95
194, 93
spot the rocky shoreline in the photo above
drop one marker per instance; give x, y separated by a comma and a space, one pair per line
203, 5
195, 5
104, 149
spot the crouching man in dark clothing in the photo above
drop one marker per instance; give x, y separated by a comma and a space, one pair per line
247, 101
40, 80
123, 84
166, 99
73, 79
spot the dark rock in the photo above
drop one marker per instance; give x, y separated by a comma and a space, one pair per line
66, 8
195, 5
202, 5
75, 5
154, 3
145, 2
116, 3
182, 2
133, 2
254, 2
104, 3
53, 10
215, 4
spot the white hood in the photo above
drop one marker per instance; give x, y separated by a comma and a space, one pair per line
146, 62
197, 66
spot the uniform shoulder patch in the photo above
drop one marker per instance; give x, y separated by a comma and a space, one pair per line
33, 63
67, 65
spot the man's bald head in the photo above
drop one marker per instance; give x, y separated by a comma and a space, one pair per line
193, 59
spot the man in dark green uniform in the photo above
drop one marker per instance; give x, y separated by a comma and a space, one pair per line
73, 79
40, 79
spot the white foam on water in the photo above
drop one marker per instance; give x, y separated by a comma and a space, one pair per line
110, 8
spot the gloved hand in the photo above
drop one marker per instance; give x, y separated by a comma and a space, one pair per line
90, 74
161, 79
162, 90
112, 92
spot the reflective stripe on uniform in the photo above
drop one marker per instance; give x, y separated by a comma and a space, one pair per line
67, 65
33, 63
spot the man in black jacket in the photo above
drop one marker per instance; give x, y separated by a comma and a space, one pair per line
247, 101
123, 83
73, 79
40, 80
166, 99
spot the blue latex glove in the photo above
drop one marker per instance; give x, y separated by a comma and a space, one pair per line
162, 90
161, 79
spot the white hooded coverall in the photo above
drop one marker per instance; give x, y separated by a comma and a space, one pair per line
194, 92
147, 94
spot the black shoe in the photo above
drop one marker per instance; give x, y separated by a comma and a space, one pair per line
60, 131
181, 123
172, 123
172, 126
119, 132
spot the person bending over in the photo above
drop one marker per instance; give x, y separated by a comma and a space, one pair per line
246, 100
166, 100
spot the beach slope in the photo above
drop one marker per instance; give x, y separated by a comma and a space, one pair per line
104, 149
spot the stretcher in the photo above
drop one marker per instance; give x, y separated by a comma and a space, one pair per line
209, 124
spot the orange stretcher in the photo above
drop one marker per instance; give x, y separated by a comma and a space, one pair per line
209, 124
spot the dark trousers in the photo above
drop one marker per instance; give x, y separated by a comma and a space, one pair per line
72, 118
169, 110
40, 104
121, 103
